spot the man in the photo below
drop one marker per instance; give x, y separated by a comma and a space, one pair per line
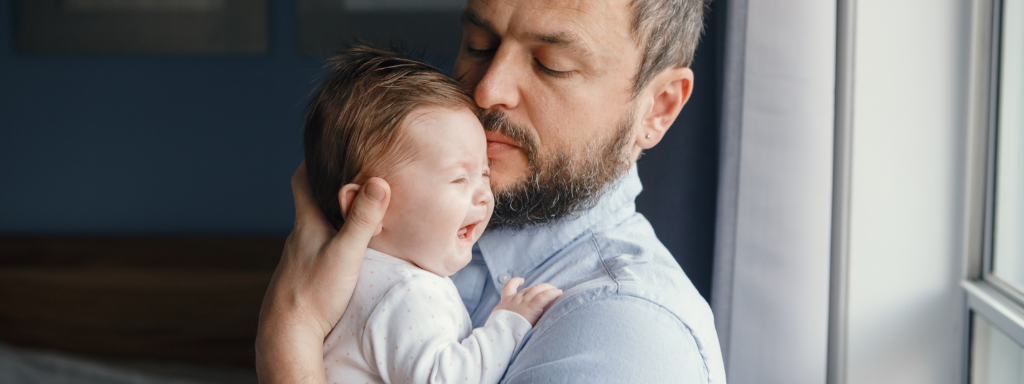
573, 91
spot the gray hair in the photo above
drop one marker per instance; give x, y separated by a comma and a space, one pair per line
667, 32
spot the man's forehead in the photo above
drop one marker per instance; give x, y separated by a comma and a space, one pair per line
550, 21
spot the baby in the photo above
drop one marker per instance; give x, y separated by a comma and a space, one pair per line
380, 115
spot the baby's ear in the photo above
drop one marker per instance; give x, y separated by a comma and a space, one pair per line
346, 196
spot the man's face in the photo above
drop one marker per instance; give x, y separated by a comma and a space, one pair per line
555, 78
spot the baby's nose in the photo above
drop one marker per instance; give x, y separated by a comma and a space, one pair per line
484, 195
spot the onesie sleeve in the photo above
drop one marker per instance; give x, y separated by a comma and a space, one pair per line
413, 337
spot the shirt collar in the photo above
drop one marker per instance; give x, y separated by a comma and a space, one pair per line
517, 252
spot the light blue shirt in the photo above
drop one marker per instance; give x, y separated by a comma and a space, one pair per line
628, 313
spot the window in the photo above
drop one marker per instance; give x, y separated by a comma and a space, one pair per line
1008, 242
997, 358
995, 295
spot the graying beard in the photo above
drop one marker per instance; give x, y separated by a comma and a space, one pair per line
564, 185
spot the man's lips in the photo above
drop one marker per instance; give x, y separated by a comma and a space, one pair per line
498, 144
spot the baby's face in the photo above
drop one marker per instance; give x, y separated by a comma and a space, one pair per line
441, 200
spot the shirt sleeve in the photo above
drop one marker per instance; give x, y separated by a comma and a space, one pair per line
619, 339
413, 337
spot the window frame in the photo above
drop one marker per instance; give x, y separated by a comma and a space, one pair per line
993, 299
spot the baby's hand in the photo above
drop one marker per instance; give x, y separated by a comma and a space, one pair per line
530, 302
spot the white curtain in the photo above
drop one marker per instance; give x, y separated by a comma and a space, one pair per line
771, 286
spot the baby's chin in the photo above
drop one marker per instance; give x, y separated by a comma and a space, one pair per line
458, 261
447, 264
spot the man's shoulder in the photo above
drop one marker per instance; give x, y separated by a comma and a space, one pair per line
636, 290
597, 335
632, 262
639, 305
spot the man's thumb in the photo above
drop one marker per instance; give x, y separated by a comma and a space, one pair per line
369, 206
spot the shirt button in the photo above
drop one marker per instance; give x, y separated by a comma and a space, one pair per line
504, 277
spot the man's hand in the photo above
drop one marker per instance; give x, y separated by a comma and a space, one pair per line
531, 302
313, 282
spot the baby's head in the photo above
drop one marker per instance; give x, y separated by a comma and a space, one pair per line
381, 115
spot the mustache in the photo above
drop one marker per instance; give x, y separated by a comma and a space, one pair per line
499, 122
563, 182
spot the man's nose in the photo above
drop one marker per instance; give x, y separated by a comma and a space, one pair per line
498, 89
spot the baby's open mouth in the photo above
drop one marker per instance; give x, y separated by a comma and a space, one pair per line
466, 233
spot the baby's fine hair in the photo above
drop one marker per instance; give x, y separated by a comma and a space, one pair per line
352, 126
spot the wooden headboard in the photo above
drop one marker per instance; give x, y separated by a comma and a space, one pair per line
186, 300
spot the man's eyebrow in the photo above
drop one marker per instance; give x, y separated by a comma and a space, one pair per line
562, 39
556, 38
470, 16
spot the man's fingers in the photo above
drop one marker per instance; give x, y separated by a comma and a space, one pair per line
303, 197
306, 211
367, 209
364, 217
511, 287
340, 258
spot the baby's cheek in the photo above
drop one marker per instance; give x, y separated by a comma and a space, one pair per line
427, 232
490, 209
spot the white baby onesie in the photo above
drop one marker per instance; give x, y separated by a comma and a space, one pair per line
407, 325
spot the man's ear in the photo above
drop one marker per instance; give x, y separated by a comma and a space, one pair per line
346, 196
668, 92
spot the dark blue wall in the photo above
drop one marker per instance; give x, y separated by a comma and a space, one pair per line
172, 145
680, 174
151, 145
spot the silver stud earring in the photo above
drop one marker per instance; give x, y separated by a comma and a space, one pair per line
648, 136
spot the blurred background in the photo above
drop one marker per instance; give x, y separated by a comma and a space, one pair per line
146, 148
844, 187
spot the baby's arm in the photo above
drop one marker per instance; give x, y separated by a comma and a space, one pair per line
412, 336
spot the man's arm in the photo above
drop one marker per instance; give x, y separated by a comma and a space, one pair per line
313, 283
617, 339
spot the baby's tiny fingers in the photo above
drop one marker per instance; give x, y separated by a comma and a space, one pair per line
545, 298
511, 287
537, 289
